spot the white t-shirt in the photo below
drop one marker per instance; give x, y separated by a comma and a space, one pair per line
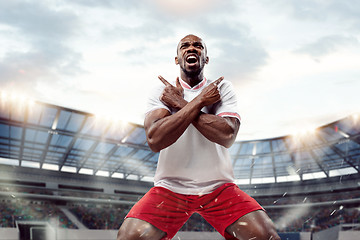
194, 165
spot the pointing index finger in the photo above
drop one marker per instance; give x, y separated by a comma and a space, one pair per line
164, 81
218, 81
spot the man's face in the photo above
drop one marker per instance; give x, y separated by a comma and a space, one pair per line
191, 54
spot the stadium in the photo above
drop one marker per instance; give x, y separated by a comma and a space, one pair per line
67, 174
75, 82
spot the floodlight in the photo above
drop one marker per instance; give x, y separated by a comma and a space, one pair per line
102, 173
86, 171
117, 175
49, 166
68, 169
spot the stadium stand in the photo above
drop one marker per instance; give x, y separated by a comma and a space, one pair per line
62, 167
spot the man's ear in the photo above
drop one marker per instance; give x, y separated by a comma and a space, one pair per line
176, 61
207, 60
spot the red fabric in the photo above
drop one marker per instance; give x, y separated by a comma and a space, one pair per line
168, 211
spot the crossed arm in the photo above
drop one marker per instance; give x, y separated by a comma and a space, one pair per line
163, 128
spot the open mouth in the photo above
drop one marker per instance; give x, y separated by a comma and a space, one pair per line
191, 59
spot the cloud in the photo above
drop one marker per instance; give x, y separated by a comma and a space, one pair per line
327, 45
231, 42
238, 54
111, 4
192, 9
346, 12
24, 70
45, 30
38, 21
238, 59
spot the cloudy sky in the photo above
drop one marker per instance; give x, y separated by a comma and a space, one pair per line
294, 64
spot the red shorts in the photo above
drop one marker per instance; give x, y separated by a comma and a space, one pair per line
168, 211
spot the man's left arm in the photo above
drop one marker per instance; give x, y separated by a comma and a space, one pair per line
222, 124
221, 130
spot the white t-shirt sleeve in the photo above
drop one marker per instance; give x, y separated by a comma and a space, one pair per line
154, 102
227, 107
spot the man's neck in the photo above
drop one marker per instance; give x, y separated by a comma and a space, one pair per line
192, 80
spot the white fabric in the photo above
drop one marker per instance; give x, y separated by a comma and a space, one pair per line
194, 165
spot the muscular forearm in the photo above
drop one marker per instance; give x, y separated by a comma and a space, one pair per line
163, 129
217, 129
166, 130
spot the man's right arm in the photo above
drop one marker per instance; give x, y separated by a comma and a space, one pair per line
163, 128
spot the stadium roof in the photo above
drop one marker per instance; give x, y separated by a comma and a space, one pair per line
44, 136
